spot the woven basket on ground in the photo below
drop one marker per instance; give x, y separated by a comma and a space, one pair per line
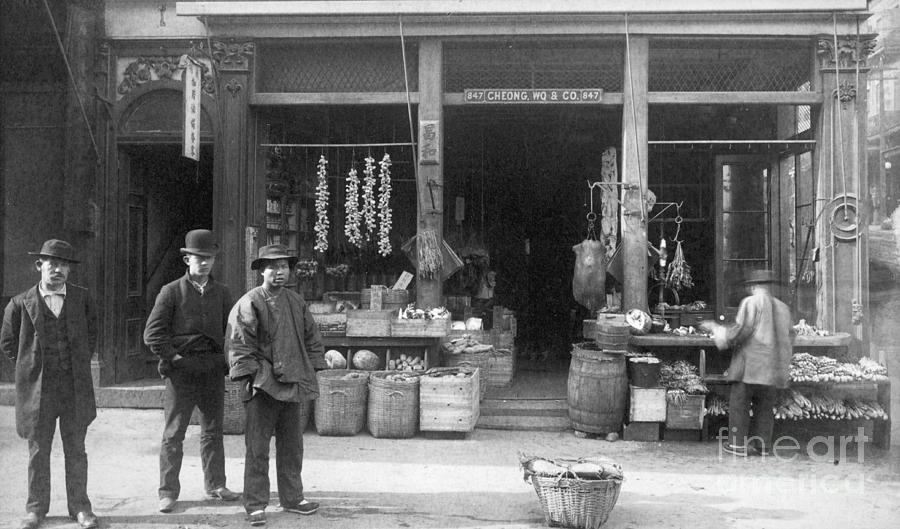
393, 406
473, 360
341, 406
235, 415
575, 502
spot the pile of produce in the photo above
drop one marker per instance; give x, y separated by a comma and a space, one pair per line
412, 313
639, 321
587, 468
406, 363
716, 406
401, 377
442, 372
794, 405
466, 344
808, 368
804, 329
681, 376
354, 375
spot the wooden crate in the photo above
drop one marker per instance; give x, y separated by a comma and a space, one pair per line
449, 404
369, 322
641, 431
437, 327
688, 416
502, 368
647, 404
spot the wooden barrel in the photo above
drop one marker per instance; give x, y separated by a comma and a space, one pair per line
613, 335
597, 389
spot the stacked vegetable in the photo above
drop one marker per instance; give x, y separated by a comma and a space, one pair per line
412, 313
794, 405
406, 363
804, 329
681, 376
820, 369
466, 344
587, 468
401, 377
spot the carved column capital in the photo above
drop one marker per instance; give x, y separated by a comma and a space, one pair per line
852, 52
232, 55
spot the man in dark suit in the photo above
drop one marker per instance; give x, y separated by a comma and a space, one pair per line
50, 332
186, 329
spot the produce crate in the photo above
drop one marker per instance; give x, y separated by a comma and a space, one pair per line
647, 404
687, 416
449, 404
390, 299
435, 327
369, 322
501, 368
481, 361
641, 431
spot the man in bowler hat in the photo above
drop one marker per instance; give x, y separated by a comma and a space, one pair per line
760, 341
50, 332
186, 329
270, 337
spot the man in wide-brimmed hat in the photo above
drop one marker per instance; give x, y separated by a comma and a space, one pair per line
270, 338
760, 341
50, 332
186, 330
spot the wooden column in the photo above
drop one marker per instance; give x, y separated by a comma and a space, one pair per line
430, 156
233, 190
634, 218
842, 270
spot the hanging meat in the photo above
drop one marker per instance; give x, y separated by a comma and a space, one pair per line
589, 282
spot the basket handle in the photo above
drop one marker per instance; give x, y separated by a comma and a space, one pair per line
337, 392
396, 394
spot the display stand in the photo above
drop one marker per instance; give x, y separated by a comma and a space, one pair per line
348, 344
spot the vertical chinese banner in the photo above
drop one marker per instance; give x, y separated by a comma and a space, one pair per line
192, 92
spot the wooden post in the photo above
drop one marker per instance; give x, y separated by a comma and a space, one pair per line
234, 193
430, 166
634, 218
842, 271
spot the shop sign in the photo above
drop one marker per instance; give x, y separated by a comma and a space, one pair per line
429, 142
192, 94
533, 95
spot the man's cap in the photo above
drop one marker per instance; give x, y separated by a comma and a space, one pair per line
58, 249
273, 252
200, 242
762, 276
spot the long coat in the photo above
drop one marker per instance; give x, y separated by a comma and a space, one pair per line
21, 340
761, 341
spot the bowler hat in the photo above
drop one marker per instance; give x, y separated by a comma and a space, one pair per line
58, 249
762, 276
200, 242
273, 252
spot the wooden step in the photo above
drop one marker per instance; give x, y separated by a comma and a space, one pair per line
524, 414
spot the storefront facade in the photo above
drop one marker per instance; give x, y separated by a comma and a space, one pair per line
747, 126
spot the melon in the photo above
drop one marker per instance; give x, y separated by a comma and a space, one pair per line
365, 360
335, 360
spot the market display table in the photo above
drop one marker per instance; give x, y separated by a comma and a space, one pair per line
349, 344
834, 343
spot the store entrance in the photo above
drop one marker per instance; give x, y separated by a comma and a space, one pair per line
167, 195
516, 188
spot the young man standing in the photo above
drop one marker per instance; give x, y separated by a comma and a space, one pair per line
186, 329
49, 332
270, 337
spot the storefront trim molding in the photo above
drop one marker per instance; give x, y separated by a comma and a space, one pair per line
487, 7
332, 98
731, 98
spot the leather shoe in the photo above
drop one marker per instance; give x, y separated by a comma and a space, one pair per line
222, 493
31, 521
166, 504
87, 520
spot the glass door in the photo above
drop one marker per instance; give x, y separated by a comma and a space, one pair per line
743, 224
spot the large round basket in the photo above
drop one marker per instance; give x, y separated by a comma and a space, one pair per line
393, 406
341, 406
574, 502
235, 414
473, 360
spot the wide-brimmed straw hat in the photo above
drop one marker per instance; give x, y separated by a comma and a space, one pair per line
58, 249
273, 252
762, 276
200, 242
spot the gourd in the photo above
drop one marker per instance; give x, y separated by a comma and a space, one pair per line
335, 360
365, 360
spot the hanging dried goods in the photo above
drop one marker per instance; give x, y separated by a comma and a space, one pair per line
384, 207
351, 208
368, 205
322, 223
678, 276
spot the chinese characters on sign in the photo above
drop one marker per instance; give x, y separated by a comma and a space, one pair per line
192, 94
533, 95
429, 142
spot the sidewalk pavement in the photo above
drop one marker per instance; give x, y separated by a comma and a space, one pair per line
473, 482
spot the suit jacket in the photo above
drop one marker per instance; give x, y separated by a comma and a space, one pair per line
21, 340
762, 342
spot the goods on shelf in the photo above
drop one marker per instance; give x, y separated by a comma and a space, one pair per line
716, 405
365, 360
794, 405
804, 329
639, 321
421, 322
406, 363
683, 376
335, 360
823, 369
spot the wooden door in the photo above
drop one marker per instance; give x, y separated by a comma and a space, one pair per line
744, 194
133, 359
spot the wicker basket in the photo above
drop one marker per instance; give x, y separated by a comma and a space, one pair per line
341, 406
393, 407
235, 414
480, 360
575, 502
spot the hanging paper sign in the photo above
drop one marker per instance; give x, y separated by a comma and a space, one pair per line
192, 93
533, 95
429, 142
